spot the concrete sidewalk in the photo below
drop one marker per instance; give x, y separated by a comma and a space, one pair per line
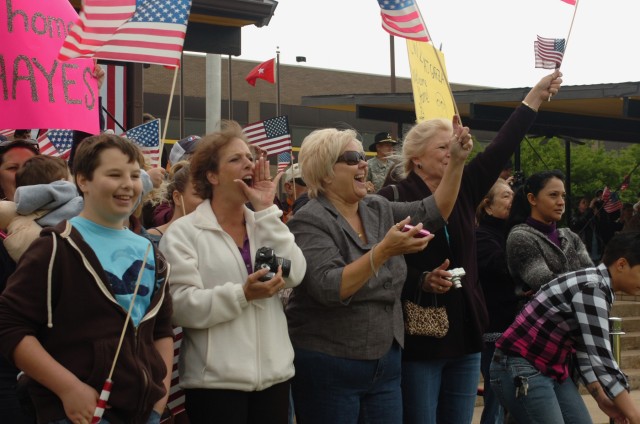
597, 415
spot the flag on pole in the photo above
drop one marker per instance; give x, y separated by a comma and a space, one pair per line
284, 160
147, 137
114, 91
402, 18
571, 2
272, 135
611, 200
549, 52
625, 183
147, 31
265, 71
56, 143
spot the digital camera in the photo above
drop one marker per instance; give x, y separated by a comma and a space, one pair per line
266, 258
456, 276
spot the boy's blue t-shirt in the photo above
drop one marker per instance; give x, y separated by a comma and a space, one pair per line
121, 253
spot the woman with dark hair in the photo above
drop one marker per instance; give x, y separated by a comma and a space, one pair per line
236, 359
13, 154
538, 251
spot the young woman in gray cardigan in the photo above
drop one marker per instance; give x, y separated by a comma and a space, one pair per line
538, 251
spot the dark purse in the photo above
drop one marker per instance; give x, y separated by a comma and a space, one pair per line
431, 321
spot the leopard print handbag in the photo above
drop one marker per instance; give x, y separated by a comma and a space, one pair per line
431, 321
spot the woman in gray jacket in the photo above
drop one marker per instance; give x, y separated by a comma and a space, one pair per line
538, 251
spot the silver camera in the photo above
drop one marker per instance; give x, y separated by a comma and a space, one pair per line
456, 276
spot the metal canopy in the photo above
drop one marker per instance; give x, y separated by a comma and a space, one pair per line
609, 112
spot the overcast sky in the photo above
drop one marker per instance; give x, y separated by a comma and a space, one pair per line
485, 42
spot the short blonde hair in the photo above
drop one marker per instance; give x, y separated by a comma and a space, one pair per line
319, 152
418, 138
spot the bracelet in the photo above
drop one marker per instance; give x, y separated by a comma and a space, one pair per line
373, 268
530, 107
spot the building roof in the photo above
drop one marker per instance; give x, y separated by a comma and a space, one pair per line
609, 112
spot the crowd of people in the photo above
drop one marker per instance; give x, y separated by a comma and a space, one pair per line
283, 309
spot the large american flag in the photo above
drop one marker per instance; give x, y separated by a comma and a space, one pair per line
147, 137
549, 52
272, 135
56, 143
402, 18
147, 31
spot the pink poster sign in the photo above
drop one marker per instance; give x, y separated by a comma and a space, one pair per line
36, 89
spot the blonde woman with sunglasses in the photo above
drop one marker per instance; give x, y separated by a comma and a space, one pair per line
345, 319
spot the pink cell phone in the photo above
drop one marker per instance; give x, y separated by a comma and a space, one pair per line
420, 234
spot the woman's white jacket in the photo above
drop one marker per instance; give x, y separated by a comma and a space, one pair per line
228, 343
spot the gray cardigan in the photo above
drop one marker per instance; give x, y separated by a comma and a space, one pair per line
534, 260
365, 325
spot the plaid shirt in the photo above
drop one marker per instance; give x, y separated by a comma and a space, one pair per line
569, 314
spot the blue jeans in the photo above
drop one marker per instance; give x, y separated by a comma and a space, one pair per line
328, 389
492, 412
546, 400
154, 418
440, 391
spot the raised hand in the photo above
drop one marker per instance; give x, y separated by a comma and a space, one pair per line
461, 142
263, 189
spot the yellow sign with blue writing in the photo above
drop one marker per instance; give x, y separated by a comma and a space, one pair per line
431, 93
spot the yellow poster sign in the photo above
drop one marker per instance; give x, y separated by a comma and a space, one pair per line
431, 93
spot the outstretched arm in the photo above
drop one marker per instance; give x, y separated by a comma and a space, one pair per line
460, 146
543, 90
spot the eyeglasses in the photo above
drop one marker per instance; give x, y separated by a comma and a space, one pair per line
351, 157
30, 143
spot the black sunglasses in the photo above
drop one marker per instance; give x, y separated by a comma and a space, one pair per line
351, 157
30, 143
300, 182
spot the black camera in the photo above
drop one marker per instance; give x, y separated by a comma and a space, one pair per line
266, 258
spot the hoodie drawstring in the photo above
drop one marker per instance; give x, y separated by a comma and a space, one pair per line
49, 273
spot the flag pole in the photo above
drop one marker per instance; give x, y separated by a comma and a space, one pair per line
108, 384
566, 43
278, 81
166, 122
392, 53
230, 88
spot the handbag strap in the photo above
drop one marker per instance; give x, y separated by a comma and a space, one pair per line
418, 297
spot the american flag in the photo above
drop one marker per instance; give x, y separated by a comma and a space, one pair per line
114, 90
176, 394
611, 200
7, 133
147, 137
284, 160
271, 135
56, 143
148, 31
402, 18
549, 52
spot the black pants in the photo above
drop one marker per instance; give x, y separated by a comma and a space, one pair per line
212, 406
